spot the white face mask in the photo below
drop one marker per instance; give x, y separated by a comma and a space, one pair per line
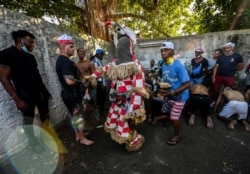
24, 48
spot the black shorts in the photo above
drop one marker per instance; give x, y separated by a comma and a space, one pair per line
199, 102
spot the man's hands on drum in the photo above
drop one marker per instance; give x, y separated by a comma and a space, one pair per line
165, 92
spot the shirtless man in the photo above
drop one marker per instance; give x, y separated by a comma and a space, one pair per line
85, 66
199, 100
236, 105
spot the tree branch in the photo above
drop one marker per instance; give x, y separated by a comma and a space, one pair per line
241, 9
126, 15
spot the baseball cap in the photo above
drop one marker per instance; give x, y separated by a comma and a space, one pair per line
230, 44
199, 50
64, 39
169, 45
99, 51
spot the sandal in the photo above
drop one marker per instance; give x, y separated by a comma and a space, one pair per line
86, 141
174, 140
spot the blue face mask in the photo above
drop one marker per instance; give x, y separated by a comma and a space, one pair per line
24, 48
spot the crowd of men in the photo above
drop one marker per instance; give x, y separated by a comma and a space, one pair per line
209, 87
212, 88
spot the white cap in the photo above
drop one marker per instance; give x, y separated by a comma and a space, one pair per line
169, 45
230, 44
64, 39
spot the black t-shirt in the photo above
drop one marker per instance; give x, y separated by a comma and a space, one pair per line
24, 72
64, 66
227, 64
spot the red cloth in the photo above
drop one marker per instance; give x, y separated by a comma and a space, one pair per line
64, 42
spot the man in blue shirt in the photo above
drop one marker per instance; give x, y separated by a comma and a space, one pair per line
174, 73
101, 82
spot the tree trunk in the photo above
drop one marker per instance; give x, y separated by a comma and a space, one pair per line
241, 9
100, 9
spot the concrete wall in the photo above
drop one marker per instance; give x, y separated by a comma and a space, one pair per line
185, 46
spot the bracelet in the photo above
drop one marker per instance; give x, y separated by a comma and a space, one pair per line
13, 96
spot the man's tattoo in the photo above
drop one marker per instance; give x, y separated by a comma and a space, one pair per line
70, 77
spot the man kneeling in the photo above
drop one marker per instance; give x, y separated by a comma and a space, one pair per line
235, 108
199, 100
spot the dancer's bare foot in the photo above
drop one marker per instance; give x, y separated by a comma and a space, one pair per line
209, 123
191, 120
86, 141
77, 138
246, 125
232, 124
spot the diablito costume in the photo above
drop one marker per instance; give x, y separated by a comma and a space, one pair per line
127, 90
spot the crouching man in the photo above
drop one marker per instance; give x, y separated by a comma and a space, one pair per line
235, 109
199, 100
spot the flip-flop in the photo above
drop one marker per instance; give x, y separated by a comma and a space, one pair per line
174, 140
86, 142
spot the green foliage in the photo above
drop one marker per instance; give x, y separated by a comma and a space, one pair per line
217, 15
152, 18
63, 10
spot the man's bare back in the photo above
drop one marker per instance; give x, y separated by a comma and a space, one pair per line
199, 89
231, 94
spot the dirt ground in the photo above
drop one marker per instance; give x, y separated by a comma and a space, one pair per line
216, 151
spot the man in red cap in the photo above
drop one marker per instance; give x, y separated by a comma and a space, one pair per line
68, 75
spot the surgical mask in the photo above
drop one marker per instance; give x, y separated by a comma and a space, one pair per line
24, 48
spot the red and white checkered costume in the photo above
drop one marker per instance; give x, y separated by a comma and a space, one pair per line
126, 74
122, 106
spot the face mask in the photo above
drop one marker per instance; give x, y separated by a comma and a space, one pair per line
24, 48
169, 60
198, 56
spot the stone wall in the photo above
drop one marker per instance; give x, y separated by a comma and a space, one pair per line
46, 53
